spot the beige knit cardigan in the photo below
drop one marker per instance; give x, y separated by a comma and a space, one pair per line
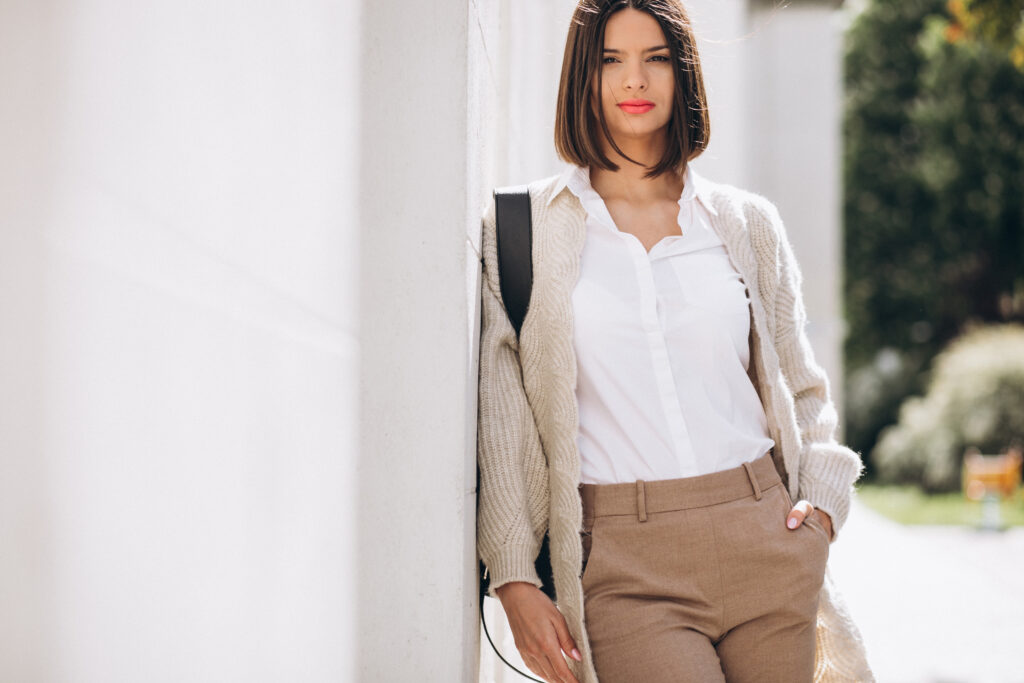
528, 414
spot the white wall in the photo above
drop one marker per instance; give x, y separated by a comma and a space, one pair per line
795, 100
528, 58
416, 496
180, 344
723, 43
26, 40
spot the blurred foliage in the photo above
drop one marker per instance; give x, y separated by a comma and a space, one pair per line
975, 398
999, 23
933, 177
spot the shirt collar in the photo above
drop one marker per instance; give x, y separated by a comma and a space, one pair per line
563, 180
695, 186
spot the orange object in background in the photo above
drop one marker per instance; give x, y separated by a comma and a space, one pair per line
991, 474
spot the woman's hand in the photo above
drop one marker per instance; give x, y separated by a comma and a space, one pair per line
539, 629
800, 511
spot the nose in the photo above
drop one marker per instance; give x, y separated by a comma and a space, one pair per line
635, 78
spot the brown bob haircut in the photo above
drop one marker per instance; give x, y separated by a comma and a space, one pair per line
576, 126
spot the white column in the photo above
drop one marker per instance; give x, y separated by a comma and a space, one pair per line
180, 341
419, 189
28, 41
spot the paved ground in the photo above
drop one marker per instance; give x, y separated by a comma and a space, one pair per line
936, 604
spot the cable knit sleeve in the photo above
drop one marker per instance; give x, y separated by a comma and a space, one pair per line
512, 504
827, 469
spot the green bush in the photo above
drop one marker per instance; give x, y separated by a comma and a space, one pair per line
933, 212
975, 398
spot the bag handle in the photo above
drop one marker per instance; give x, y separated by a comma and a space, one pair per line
515, 250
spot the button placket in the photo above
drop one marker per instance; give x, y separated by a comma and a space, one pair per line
658, 349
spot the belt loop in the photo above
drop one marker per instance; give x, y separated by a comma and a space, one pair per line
753, 480
641, 501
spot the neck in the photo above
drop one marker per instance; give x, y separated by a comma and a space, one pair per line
629, 183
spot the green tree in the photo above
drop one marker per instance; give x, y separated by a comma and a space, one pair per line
933, 161
882, 209
971, 166
1000, 23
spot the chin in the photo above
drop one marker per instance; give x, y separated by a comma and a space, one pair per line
636, 133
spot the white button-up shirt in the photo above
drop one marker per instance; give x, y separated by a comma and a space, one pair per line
662, 351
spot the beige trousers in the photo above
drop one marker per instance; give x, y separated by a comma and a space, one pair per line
698, 579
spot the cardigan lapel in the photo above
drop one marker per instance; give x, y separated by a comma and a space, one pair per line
559, 235
731, 226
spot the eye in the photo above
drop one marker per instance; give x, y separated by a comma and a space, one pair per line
660, 58
608, 60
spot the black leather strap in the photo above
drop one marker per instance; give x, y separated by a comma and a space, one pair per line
515, 250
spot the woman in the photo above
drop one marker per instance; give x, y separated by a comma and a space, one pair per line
661, 408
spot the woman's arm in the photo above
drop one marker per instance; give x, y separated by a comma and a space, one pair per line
513, 498
513, 493
827, 469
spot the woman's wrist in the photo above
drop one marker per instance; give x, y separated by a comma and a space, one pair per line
505, 590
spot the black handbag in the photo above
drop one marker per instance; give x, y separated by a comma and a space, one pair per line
514, 228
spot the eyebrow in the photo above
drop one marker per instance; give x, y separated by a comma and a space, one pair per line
650, 49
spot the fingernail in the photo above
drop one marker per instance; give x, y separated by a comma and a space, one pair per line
576, 655
792, 523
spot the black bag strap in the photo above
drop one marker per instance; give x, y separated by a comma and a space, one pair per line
515, 250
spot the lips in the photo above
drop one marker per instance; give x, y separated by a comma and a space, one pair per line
636, 106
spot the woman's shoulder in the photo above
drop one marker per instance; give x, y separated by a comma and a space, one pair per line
737, 201
747, 212
541, 190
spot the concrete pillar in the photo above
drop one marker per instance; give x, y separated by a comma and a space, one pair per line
180, 341
420, 181
28, 42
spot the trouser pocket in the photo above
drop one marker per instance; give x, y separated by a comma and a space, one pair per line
587, 540
810, 521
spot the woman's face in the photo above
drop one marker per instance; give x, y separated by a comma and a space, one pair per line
636, 69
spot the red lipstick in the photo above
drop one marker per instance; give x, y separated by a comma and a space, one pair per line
636, 106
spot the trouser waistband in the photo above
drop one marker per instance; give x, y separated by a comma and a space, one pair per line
642, 498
